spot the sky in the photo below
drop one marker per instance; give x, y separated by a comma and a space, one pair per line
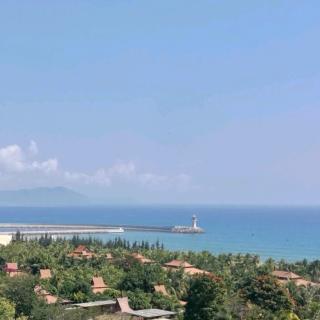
213, 102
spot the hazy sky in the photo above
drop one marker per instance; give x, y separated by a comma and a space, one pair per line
162, 101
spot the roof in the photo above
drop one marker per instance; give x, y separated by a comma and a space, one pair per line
50, 299
123, 304
39, 291
97, 282
11, 265
141, 258
47, 296
194, 271
151, 313
45, 273
178, 264
161, 289
95, 303
80, 249
286, 275
303, 282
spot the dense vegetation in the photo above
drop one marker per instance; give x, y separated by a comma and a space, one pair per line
242, 289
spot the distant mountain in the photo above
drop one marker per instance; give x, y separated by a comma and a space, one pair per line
58, 196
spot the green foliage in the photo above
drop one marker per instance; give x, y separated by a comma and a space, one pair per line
20, 290
160, 301
205, 299
267, 293
246, 290
139, 300
7, 309
142, 277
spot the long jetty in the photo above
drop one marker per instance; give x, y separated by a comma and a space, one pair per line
64, 229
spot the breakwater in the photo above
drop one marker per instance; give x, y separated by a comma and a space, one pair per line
64, 229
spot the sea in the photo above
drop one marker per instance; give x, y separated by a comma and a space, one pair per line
289, 233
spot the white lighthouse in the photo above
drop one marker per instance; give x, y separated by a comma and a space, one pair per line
185, 229
194, 222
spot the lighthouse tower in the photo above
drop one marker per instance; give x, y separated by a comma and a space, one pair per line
194, 222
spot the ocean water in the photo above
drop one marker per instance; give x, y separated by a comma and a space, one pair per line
280, 233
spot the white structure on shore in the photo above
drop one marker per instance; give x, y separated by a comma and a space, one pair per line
5, 239
185, 229
194, 222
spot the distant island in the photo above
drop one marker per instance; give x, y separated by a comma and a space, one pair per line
57, 196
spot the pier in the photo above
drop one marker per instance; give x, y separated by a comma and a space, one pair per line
69, 229
66, 229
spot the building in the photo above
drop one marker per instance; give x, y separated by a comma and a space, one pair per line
12, 270
123, 307
5, 239
100, 307
45, 274
98, 285
177, 264
81, 252
47, 296
286, 276
185, 229
142, 259
160, 288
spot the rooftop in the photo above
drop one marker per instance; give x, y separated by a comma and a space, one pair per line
286, 275
178, 264
95, 304
45, 273
97, 282
152, 313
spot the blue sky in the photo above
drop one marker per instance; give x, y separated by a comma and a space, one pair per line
162, 101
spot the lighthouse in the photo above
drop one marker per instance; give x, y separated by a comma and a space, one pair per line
185, 229
194, 222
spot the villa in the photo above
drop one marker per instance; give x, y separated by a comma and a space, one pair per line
142, 259
45, 274
122, 306
285, 276
81, 252
98, 285
11, 269
177, 264
160, 288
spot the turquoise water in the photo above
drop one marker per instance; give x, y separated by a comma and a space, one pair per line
288, 233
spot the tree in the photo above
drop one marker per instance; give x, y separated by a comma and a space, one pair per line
7, 310
161, 301
139, 300
204, 299
265, 292
20, 290
142, 277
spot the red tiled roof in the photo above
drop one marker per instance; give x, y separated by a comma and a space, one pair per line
285, 275
47, 296
161, 289
45, 273
123, 305
109, 256
141, 258
97, 282
50, 299
178, 264
80, 249
11, 266
194, 271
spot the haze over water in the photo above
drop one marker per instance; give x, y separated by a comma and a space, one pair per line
277, 232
